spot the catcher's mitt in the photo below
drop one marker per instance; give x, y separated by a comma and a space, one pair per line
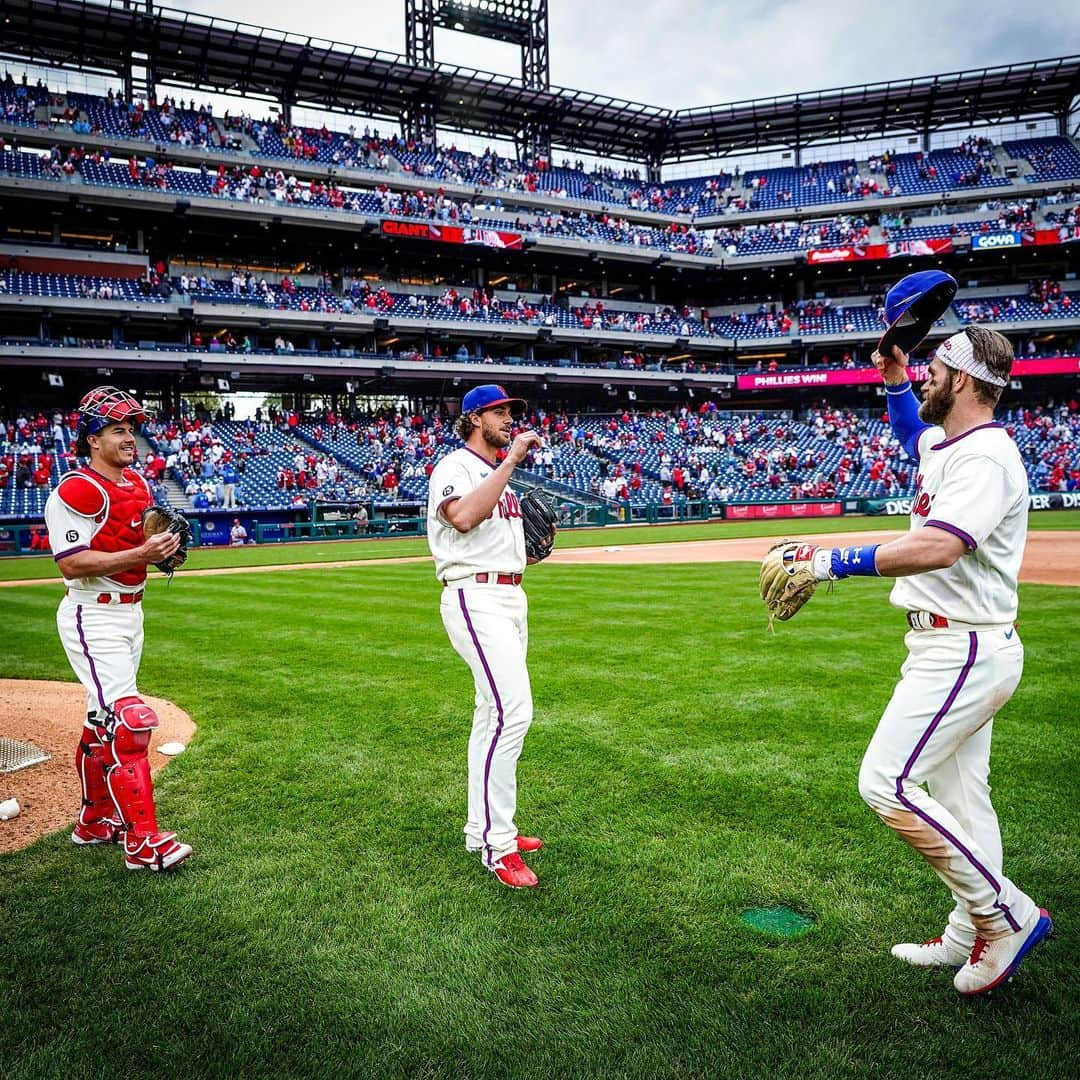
787, 579
538, 517
156, 519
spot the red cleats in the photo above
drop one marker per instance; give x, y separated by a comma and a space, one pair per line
513, 873
97, 832
158, 851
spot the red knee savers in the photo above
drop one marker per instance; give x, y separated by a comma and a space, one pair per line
134, 714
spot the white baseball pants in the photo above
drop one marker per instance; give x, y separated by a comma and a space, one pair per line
936, 731
488, 626
104, 645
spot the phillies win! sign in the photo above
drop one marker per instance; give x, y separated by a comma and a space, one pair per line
808, 377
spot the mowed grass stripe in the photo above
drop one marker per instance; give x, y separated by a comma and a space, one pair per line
26, 567
684, 765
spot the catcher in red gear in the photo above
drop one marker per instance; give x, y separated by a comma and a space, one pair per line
95, 523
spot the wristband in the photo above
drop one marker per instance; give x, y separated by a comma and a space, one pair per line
854, 561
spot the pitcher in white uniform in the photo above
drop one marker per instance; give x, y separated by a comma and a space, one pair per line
475, 534
957, 568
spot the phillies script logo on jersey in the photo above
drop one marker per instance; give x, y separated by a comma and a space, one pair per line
920, 504
508, 506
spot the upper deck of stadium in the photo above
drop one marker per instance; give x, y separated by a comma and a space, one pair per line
207, 54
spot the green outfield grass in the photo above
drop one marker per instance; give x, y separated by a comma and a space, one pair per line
684, 766
16, 568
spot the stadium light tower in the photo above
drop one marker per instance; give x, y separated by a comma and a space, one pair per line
518, 22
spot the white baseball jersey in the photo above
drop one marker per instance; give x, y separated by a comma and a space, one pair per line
497, 544
975, 487
88, 511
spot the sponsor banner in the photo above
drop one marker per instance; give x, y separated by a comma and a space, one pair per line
794, 380
1049, 500
743, 511
451, 234
938, 245
888, 507
847, 254
1055, 500
997, 240
1047, 365
1064, 235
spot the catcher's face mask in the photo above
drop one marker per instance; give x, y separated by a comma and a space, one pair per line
104, 405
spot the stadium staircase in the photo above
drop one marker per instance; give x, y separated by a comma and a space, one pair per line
559, 491
349, 473
177, 499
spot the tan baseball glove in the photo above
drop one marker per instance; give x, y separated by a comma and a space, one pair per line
787, 579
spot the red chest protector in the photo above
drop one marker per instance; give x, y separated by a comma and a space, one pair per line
118, 516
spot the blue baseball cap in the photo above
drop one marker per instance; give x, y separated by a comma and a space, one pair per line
488, 396
912, 306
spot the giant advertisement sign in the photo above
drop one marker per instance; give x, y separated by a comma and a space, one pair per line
743, 511
939, 245
451, 234
795, 380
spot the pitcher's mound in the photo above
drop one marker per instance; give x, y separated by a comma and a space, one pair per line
50, 715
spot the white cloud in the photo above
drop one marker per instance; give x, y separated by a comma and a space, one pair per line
689, 53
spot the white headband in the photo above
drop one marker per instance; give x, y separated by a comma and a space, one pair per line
957, 352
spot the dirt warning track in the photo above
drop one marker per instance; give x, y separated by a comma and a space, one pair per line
1051, 558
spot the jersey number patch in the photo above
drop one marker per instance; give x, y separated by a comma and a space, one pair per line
72, 536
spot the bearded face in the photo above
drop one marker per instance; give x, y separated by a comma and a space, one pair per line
497, 426
938, 396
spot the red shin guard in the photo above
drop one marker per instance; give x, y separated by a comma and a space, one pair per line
90, 763
128, 775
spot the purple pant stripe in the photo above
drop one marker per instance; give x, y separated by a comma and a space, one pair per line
1009, 918
89, 658
973, 649
498, 726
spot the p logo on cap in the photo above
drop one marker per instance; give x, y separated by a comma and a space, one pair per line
488, 396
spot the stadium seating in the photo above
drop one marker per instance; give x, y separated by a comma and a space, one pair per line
838, 181
73, 286
760, 459
1016, 308
841, 319
1053, 158
26, 166
264, 457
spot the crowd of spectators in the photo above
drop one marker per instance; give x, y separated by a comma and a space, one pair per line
185, 124
671, 455
1051, 436
1044, 293
35, 448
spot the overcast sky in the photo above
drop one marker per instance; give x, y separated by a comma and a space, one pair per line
687, 53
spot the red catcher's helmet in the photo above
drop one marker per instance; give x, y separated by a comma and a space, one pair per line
104, 405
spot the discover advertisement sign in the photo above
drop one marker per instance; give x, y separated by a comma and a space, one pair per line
1038, 500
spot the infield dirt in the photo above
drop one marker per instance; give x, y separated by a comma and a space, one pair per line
50, 715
